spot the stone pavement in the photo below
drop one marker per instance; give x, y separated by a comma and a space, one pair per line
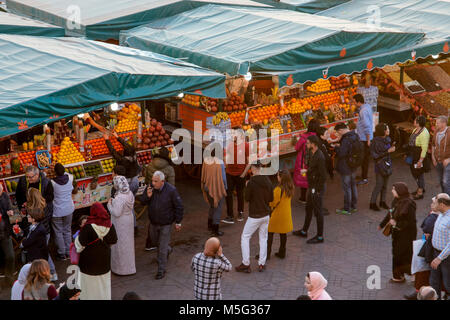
352, 244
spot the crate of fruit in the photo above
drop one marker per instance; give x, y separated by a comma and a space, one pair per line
44, 159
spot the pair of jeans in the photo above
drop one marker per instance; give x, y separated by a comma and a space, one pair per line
62, 228
161, 235
238, 183
50, 260
8, 252
365, 161
215, 213
380, 188
283, 240
251, 225
441, 275
350, 191
314, 206
444, 177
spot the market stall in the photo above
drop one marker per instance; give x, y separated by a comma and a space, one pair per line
14, 24
104, 19
51, 81
301, 65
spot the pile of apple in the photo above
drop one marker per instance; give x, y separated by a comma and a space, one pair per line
154, 136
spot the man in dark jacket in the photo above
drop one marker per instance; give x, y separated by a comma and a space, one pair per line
6, 245
348, 175
128, 159
259, 194
164, 208
317, 175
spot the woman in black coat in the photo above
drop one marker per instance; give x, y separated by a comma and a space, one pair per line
402, 217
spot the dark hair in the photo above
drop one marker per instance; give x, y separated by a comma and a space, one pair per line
421, 120
59, 169
380, 129
321, 131
314, 140
313, 125
119, 170
304, 297
286, 184
358, 98
445, 201
65, 293
340, 126
131, 295
80, 220
37, 214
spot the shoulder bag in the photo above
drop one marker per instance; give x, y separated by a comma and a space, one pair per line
387, 230
74, 255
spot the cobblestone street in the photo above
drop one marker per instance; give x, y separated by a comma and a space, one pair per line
352, 243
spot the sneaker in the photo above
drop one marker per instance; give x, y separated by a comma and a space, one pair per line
243, 268
261, 268
229, 220
54, 277
150, 249
240, 217
300, 233
363, 181
315, 240
344, 212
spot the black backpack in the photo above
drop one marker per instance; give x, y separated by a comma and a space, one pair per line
355, 158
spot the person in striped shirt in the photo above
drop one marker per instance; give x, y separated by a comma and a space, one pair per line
440, 272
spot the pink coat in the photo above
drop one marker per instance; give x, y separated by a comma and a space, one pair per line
300, 162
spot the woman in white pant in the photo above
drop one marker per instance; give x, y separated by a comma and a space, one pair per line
259, 194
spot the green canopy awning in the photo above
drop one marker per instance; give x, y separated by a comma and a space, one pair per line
104, 19
43, 79
307, 6
429, 16
237, 40
14, 24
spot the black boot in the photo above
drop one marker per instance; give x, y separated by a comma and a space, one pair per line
215, 231
384, 205
210, 224
373, 206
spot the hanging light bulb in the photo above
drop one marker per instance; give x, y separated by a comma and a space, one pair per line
81, 115
248, 76
181, 95
435, 56
114, 106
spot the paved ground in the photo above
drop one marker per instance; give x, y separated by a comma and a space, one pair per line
352, 243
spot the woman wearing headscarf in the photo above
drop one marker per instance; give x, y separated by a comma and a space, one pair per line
17, 289
94, 245
315, 283
402, 218
121, 209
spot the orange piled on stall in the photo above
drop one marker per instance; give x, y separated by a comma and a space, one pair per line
298, 106
321, 85
68, 153
234, 103
325, 99
339, 82
264, 114
27, 158
128, 118
237, 118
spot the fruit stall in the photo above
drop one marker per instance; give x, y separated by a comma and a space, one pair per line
85, 154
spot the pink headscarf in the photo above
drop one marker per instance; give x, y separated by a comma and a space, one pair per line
319, 283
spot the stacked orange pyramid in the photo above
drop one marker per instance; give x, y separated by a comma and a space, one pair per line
68, 153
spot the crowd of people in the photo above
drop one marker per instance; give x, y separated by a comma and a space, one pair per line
104, 241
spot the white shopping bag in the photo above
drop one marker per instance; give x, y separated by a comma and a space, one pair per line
418, 264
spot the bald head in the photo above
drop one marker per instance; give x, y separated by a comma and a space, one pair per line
427, 293
212, 245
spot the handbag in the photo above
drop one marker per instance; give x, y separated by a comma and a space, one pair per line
426, 251
384, 166
418, 264
74, 255
387, 230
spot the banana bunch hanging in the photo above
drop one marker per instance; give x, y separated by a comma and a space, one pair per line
219, 117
